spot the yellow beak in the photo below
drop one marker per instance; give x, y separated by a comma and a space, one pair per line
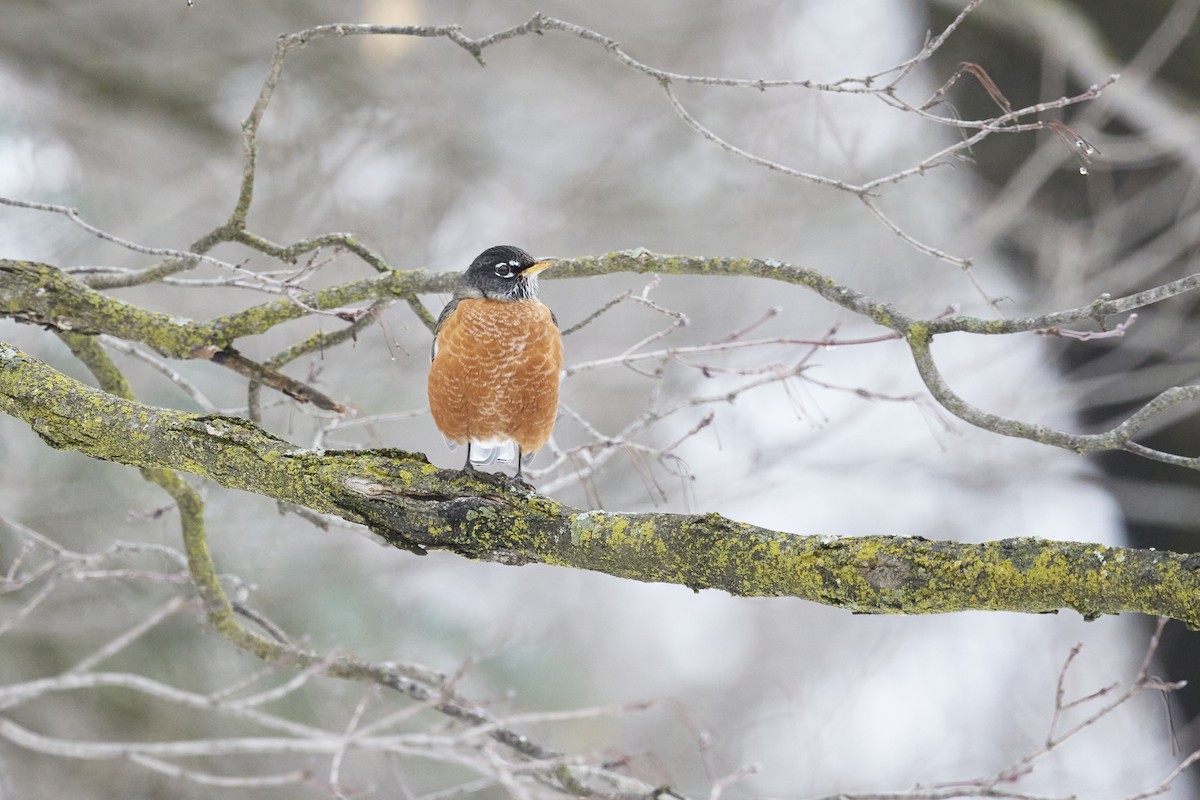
538, 266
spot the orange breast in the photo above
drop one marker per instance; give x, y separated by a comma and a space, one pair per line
495, 373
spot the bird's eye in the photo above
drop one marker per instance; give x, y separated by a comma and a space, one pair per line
504, 270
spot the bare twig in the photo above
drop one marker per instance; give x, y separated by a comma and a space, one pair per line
1087, 336
73, 215
161, 366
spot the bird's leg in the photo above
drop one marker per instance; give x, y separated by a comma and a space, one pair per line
519, 464
468, 467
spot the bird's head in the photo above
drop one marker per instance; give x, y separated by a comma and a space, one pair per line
505, 273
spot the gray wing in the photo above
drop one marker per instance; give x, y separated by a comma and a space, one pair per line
441, 319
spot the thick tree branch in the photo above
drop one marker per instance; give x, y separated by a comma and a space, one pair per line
417, 506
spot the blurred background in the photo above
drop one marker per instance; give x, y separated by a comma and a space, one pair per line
131, 113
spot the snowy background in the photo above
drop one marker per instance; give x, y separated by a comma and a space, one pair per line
131, 113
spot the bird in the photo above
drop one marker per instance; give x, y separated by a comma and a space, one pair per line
496, 358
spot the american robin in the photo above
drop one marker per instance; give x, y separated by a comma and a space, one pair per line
497, 353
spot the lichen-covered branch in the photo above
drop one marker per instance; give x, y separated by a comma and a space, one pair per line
419, 507
45, 295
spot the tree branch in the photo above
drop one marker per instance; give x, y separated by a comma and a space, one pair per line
43, 294
419, 507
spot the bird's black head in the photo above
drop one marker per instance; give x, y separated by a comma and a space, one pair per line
505, 273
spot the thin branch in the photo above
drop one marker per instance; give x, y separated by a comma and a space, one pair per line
1119, 437
220, 781
73, 215
130, 635
723, 346
932, 45
766, 163
19, 694
1097, 311
163, 368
